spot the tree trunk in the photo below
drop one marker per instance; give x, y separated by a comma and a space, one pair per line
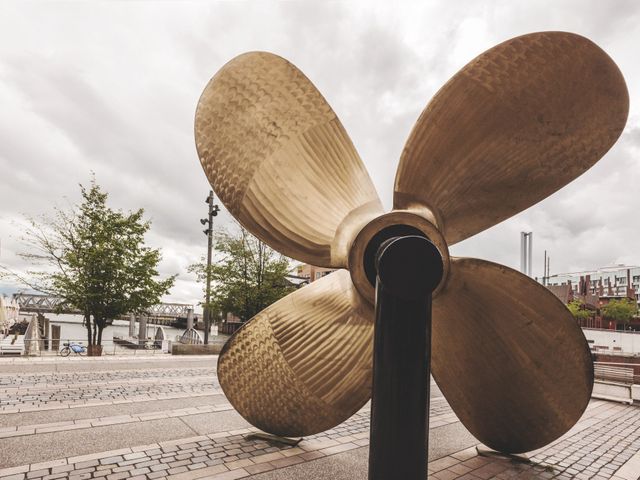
95, 331
87, 321
95, 349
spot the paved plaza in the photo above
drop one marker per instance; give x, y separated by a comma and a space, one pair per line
166, 417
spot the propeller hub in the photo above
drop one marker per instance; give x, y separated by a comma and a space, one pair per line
397, 223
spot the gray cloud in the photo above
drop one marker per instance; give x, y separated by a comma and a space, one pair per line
112, 87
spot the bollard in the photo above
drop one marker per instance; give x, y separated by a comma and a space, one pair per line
142, 331
189, 318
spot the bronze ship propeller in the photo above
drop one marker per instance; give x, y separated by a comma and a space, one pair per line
516, 124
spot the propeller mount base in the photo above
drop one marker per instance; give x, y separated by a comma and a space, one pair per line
408, 269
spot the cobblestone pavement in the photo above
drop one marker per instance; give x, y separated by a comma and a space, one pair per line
72, 378
70, 395
605, 440
28, 392
605, 444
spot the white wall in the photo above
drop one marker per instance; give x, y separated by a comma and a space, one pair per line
628, 342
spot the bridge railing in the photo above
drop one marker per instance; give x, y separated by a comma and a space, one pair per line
52, 348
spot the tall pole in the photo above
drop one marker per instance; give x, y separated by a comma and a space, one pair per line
530, 259
213, 211
408, 271
523, 248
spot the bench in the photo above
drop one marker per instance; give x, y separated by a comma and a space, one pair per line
15, 349
613, 383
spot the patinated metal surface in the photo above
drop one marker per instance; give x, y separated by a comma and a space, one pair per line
516, 124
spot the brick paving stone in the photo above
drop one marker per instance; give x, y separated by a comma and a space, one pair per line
173, 471
239, 464
37, 473
285, 462
102, 473
595, 448
81, 476
54, 476
201, 473
231, 475
133, 456
117, 476
13, 470
260, 468
159, 468
124, 468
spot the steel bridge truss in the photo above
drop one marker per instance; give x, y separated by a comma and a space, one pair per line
50, 304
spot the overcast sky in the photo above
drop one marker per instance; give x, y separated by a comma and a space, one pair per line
111, 87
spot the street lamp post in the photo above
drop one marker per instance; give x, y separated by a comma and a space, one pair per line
213, 211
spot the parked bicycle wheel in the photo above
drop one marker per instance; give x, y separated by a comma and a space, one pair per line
65, 352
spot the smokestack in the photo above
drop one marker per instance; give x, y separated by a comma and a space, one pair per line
526, 252
523, 247
529, 265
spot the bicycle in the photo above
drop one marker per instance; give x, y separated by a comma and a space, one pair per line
76, 348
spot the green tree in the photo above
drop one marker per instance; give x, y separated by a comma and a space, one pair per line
577, 310
246, 275
619, 310
94, 258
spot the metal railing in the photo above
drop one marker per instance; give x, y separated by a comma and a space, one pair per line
52, 348
610, 330
604, 369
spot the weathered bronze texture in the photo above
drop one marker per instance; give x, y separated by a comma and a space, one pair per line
302, 365
279, 159
516, 124
508, 356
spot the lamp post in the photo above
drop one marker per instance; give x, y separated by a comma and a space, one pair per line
213, 211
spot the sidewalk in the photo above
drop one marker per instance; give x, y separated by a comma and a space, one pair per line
171, 420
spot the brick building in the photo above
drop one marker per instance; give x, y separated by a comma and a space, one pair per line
596, 288
311, 272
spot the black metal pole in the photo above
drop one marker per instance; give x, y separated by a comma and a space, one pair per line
207, 310
408, 269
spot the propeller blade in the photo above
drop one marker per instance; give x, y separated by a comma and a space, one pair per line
281, 162
508, 356
513, 126
304, 364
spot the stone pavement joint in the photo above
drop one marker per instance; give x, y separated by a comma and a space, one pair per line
235, 454
604, 444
